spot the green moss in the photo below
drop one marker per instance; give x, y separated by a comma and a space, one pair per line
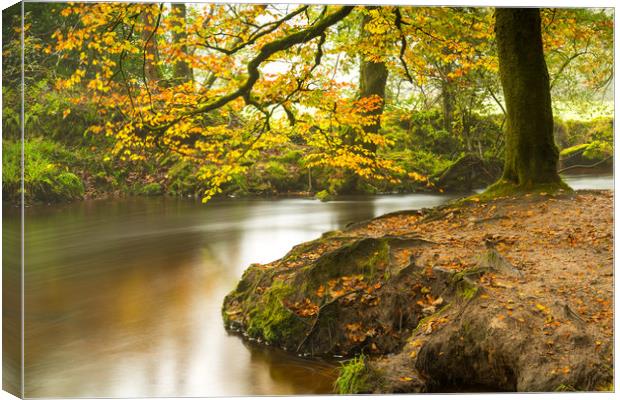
353, 377
271, 320
466, 290
598, 150
363, 256
380, 256
324, 195
503, 188
565, 388
429, 318
459, 276
331, 234
572, 150
151, 189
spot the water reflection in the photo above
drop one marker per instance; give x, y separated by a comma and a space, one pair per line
123, 297
579, 182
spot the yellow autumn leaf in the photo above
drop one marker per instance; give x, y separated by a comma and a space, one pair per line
540, 307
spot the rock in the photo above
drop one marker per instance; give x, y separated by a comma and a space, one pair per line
475, 345
469, 172
594, 157
339, 300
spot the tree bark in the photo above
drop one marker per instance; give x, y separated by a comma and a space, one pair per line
447, 97
151, 71
182, 71
373, 80
531, 156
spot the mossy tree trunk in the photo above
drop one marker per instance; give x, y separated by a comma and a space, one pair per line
447, 104
182, 71
151, 68
373, 80
531, 156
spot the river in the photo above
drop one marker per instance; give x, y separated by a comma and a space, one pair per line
123, 296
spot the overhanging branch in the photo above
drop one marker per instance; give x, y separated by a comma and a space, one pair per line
265, 52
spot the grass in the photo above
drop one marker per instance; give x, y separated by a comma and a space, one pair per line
353, 377
45, 178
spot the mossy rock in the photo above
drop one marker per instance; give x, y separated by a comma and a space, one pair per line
270, 319
366, 256
570, 151
582, 157
598, 150
334, 295
469, 172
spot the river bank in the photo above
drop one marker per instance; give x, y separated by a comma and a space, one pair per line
510, 295
57, 173
82, 167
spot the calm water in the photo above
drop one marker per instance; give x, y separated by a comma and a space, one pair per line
123, 297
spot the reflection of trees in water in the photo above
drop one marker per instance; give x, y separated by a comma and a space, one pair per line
11, 301
352, 210
303, 375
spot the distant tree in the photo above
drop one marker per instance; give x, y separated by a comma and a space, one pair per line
183, 71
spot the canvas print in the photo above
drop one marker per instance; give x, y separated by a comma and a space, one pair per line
230, 199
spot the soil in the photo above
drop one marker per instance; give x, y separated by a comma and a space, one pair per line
515, 294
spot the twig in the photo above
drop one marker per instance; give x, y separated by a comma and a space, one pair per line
585, 166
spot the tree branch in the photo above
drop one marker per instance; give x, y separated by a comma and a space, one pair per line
265, 52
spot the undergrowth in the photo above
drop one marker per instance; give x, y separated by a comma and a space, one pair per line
353, 377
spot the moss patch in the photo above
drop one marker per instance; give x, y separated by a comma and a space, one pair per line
271, 320
504, 188
324, 195
466, 290
151, 189
574, 149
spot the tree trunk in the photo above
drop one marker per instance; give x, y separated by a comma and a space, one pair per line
531, 156
448, 100
182, 71
373, 80
151, 71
